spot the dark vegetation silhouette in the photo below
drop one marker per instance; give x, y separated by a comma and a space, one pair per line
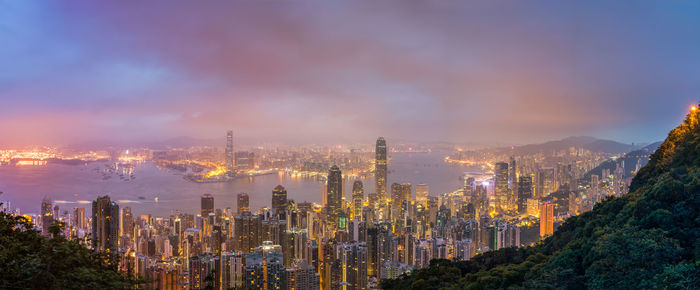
29, 260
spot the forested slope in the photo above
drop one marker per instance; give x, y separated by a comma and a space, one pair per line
645, 239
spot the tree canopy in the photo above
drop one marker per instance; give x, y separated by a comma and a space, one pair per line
29, 260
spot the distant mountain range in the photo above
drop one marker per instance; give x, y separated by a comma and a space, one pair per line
177, 142
584, 142
629, 160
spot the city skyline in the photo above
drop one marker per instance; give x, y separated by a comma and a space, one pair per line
350, 145
79, 72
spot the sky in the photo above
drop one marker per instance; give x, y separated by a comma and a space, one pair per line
346, 71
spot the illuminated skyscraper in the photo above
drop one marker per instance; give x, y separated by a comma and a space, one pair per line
512, 174
201, 267
533, 206
207, 205
524, 192
47, 216
243, 203
501, 185
127, 222
105, 225
353, 259
247, 232
334, 197
302, 276
469, 186
545, 182
279, 199
229, 153
512, 184
79, 218
254, 272
503, 235
232, 275
380, 171
275, 272
400, 195
422, 194
546, 219
357, 196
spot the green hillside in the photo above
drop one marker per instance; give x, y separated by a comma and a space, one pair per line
645, 239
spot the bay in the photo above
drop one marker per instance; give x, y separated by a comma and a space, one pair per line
73, 186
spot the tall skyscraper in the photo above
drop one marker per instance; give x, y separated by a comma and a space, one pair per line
247, 232
512, 184
512, 174
422, 194
232, 274
524, 192
546, 219
207, 205
243, 203
47, 216
380, 170
279, 199
229, 153
127, 222
334, 197
357, 196
105, 225
79, 218
501, 185
545, 182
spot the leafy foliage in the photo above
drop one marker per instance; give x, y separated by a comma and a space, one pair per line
29, 260
649, 238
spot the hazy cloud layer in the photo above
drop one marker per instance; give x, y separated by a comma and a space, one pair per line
346, 71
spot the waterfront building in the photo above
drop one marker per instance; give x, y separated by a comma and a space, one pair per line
243, 204
207, 205
229, 153
279, 200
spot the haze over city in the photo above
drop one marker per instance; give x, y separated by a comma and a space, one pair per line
318, 72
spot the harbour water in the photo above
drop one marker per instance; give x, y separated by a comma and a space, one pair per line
77, 185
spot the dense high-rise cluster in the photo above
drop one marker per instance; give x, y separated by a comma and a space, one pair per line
350, 241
